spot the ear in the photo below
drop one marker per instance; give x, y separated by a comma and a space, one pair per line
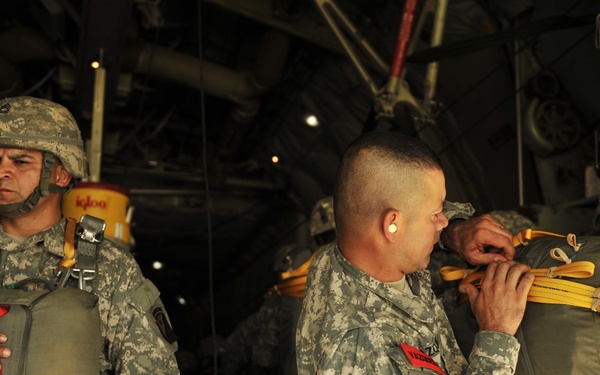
62, 177
391, 225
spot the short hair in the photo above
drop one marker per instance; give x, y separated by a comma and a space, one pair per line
378, 171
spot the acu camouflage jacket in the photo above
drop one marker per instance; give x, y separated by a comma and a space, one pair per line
134, 325
352, 323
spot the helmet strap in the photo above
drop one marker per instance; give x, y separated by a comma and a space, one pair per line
44, 188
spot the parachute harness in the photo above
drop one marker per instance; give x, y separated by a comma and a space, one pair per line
548, 285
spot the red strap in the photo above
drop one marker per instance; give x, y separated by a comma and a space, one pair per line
418, 359
4, 309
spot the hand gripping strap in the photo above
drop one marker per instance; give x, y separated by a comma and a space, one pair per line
547, 287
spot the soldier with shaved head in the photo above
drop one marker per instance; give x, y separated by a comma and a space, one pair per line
369, 307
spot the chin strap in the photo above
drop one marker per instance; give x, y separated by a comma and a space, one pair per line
44, 188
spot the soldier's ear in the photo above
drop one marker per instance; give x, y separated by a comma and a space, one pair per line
390, 225
62, 177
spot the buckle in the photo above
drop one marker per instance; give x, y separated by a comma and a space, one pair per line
83, 275
91, 229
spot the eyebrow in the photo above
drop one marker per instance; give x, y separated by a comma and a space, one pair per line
22, 155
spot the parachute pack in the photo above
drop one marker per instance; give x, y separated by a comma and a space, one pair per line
559, 331
55, 329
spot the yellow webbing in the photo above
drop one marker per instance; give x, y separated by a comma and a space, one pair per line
69, 260
293, 282
546, 287
527, 235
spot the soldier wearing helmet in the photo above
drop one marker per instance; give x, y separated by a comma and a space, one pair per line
41, 158
50, 129
322, 222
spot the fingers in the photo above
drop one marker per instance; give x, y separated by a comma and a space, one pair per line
4, 352
480, 240
501, 302
506, 273
471, 292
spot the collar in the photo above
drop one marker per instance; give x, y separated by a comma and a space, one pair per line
418, 306
51, 240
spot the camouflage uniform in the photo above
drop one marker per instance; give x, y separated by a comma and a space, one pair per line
134, 342
513, 221
354, 324
137, 334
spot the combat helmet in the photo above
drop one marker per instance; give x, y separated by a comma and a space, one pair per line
321, 217
39, 124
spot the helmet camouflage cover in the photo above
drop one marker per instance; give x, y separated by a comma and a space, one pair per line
39, 124
321, 217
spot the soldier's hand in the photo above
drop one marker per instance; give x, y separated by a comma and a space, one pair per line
479, 240
4, 351
499, 305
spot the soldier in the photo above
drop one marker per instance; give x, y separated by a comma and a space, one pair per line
265, 341
322, 222
41, 158
369, 307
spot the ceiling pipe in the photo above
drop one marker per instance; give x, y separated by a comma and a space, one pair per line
216, 80
243, 89
267, 72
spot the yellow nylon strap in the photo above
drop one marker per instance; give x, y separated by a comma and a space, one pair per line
292, 287
527, 235
69, 260
294, 281
563, 292
302, 270
578, 270
545, 289
451, 273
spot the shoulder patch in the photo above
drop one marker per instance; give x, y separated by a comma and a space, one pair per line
160, 317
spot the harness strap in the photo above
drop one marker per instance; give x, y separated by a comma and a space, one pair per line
292, 287
70, 253
293, 282
527, 235
81, 249
90, 233
547, 287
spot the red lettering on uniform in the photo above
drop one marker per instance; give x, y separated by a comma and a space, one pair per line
89, 202
419, 359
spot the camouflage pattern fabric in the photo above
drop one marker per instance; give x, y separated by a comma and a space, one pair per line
512, 220
446, 291
266, 340
354, 324
134, 325
39, 124
456, 210
321, 217
253, 346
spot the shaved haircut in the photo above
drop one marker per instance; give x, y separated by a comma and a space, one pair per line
379, 171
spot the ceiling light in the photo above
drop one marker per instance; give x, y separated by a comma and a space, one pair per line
158, 265
311, 120
275, 159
